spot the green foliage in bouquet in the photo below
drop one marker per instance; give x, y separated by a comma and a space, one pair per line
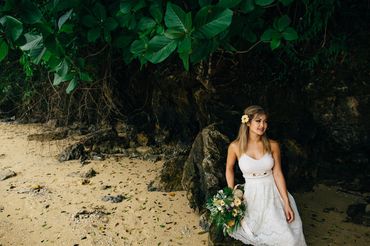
227, 209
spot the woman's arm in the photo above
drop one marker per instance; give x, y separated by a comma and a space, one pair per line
280, 181
230, 162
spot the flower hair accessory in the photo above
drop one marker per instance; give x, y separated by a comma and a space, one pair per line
245, 119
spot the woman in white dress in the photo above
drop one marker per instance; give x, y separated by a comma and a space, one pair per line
272, 217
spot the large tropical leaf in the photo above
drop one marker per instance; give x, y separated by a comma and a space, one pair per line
138, 47
176, 18
156, 12
30, 13
160, 47
13, 27
146, 23
72, 85
33, 42
64, 18
210, 21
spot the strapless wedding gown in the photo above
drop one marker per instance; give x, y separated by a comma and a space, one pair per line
265, 222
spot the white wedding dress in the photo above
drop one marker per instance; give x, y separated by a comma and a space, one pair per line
265, 222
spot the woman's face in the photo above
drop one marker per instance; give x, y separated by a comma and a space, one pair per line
258, 124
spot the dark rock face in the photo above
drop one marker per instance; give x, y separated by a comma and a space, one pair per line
7, 173
204, 170
359, 213
73, 152
173, 108
216, 238
170, 176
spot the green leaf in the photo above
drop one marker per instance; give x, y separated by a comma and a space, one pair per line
110, 24
29, 12
33, 42
185, 45
175, 18
156, 12
185, 60
270, 34
247, 6
125, 7
138, 47
228, 3
93, 34
275, 43
282, 23
3, 49
160, 47
264, 2
85, 77
13, 27
174, 34
286, 2
61, 73
139, 4
62, 68
146, 23
290, 34
210, 21
64, 18
202, 48
67, 28
72, 86
59, 79
37, 54
159, 30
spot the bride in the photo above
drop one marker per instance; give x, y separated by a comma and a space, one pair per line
272, 217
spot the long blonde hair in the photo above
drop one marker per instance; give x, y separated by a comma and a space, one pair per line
242, 139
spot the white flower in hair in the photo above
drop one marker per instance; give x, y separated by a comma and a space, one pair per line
245, 118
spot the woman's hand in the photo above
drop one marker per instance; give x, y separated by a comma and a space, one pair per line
289, 214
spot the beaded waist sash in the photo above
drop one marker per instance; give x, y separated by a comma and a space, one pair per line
257, 174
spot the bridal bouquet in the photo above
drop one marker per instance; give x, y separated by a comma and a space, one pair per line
227, 209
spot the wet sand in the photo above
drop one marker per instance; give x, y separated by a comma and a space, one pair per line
49, 203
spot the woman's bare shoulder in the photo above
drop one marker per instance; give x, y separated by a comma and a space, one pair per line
274, 144
233, 146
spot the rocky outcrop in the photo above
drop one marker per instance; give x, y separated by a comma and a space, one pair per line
216, 238
204, 170
170, 176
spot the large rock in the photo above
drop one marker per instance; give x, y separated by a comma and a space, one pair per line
216, 238
170, 176
204, 170
7, 173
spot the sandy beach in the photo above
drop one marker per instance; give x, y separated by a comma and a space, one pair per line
52, 203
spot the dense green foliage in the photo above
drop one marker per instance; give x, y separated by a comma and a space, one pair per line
60, 35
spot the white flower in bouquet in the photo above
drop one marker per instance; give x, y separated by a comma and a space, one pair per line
238, 193
237, 201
